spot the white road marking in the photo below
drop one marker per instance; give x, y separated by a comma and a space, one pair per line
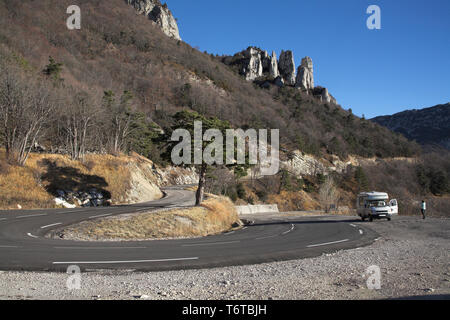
292, 228
360, 231
2, 219
98, 248
354, 226
32, 215
101, 215
208, 243
71, 211
8, 247
231, 232
129, 261
30, 235
327, 243
268, 237
244, 228
51, 225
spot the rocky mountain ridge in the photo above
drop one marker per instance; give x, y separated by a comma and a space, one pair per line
426, 126
256, 64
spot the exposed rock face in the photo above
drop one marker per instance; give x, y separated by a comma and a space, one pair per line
143, 184
265, 61
258, 66
324, 95
175, 176
302, 165
252, 66
305, 75
253, 63
159, 14
273, 67
286, 66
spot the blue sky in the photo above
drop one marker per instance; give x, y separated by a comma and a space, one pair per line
404, 65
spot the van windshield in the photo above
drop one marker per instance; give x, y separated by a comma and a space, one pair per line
376, 203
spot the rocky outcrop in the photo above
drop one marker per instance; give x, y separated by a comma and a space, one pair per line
252, 66
143, 183
305, 75
301, 165
175, 176
265, 70
286, 66
265, 61
254, 63
159, 14
323, 94
273, 67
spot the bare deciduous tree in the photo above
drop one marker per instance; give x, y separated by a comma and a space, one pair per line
25, 108
328, 194
77, 120
118, 120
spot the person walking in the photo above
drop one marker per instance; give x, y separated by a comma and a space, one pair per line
423, 208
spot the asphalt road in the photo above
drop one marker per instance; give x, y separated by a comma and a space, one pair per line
269, 238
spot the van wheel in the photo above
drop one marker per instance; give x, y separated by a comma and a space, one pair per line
363, 218
370, 218
389, 218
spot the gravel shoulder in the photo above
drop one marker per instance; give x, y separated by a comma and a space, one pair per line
412, 254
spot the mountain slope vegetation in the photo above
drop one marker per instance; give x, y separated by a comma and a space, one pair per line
428, 126
118, 50
113, 87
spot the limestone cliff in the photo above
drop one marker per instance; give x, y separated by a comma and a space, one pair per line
265, 70
159, 14
305, 75
286, 65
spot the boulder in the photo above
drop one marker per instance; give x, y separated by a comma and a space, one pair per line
286, 66
64, 203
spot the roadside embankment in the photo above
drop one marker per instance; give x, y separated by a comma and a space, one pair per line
52, 180
215, 215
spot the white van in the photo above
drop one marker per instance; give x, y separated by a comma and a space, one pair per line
375, 205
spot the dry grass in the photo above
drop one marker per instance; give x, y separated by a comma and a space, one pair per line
214, 216
33, 186
191, 188
293, 201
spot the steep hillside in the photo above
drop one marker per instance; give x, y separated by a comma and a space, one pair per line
96, 181
119, 49
112, 87
429, 126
